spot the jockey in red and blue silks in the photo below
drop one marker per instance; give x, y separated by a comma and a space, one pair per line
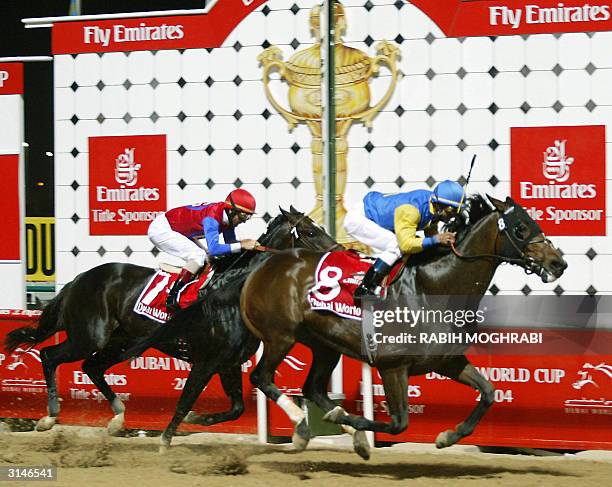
176, 231
388, 224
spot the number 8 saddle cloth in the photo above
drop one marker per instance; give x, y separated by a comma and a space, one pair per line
337, 276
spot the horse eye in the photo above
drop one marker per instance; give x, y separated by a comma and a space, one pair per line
520, 231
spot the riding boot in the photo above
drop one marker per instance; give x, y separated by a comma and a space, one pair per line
371, 280
172, 300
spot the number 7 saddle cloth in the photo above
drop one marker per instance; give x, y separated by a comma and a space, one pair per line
337, 276
152, 300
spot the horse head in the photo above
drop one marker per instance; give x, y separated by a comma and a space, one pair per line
292, 229
520, 241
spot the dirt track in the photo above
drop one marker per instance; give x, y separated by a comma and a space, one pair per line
86, 456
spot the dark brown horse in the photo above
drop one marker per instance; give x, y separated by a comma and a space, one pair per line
503, 233
96, 311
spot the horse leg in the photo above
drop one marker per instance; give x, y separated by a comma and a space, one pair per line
395, 382
471, 377
94, 367
51, 358
200, 375
324, 361
263, 378
231, 380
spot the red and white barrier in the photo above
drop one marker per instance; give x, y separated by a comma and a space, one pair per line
562, 401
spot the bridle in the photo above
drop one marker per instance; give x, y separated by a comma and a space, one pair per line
506, 221
293, 231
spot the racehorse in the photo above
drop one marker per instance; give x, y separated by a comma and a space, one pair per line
502, 233
96, 311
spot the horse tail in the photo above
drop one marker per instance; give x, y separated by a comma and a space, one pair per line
48, 324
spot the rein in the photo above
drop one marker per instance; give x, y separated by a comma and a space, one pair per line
271, 250
263, 248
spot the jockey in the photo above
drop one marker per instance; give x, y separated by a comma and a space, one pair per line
388, 224
175, 232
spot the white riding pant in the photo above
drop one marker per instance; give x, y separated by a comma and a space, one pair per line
174, 243
382, 241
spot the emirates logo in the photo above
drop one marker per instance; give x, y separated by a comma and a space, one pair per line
556, 165
126, 168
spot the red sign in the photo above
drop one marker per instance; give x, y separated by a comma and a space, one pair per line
152, 33
540, 401
558, 175
11, 78
127, 183
9, 208
149, 386
464, 18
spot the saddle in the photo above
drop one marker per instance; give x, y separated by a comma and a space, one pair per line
152, 300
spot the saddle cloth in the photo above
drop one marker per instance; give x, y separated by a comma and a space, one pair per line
337, 276
152, 300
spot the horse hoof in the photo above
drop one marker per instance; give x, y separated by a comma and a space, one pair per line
301, 436
191, 418
46, 423
115, 425
335, 414
164, 445
361, 445
444, 439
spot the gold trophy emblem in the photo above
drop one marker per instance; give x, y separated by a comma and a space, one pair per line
303, 75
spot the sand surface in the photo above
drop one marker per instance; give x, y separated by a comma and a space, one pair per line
88, 457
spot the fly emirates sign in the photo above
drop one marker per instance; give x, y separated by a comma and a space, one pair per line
127, 183
561, 13
558, 176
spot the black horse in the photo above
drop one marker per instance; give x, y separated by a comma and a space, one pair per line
96, 311
504, 233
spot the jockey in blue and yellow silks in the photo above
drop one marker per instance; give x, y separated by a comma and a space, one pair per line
388, 224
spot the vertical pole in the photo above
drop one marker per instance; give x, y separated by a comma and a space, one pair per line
329, 117
23, 151
75, 7
368, 398
262, 406
329, 138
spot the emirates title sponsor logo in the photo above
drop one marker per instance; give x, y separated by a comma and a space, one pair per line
92, 34
558, 175
561, 14
556, 168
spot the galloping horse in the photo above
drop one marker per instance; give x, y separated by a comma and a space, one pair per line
504, 233
96, 311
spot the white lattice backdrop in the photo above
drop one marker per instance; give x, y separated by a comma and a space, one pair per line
457, 97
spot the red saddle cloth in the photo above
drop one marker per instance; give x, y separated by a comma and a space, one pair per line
152, 300
337, 276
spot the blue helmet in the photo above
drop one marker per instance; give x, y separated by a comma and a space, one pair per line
448, 193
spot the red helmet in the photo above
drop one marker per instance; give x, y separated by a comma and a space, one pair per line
241, 200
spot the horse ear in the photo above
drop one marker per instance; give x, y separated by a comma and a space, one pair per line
498, 204
283, 212
295, 212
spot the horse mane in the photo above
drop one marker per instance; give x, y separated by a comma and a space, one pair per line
477, 208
